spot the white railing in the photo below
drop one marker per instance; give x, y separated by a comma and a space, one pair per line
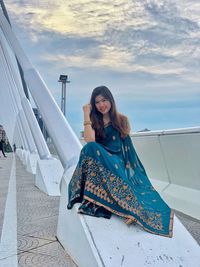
171, 159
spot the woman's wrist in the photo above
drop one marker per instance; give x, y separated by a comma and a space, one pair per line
87, 122
86, 117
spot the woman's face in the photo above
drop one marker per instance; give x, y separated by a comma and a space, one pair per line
102, 104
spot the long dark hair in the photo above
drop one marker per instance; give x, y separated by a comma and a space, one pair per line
117, 120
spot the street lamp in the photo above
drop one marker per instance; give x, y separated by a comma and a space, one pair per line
63, 79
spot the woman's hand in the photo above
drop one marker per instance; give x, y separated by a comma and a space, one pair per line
87, 109
86, 112
89, 133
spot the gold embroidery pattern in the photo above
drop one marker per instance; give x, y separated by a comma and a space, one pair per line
101, 181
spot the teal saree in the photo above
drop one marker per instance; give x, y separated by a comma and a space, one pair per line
110, 178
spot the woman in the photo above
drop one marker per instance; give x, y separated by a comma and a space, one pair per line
109, 177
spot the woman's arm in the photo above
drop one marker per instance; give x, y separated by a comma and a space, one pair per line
89, 133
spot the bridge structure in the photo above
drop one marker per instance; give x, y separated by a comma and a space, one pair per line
170, 158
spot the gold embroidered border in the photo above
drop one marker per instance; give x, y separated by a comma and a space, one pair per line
132, 217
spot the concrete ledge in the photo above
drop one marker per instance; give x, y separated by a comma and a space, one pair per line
98, 242
19, 153
32, 163
25, 155
48, 176
182, 199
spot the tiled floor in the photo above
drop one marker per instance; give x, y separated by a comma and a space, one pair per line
37, 214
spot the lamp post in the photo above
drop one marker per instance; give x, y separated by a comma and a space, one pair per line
63, 79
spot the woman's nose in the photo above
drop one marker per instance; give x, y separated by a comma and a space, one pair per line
100, 104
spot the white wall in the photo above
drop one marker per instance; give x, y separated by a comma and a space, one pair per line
171, 159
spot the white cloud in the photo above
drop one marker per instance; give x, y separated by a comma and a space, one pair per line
153, 36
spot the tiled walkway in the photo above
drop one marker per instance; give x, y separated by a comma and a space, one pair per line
35, 226
28, 220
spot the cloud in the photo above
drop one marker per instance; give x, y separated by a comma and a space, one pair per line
158, 37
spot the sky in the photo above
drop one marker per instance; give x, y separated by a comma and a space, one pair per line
147, 52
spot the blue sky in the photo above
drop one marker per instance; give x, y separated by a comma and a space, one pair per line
146, 51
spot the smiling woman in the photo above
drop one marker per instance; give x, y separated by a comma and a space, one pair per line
109, 177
